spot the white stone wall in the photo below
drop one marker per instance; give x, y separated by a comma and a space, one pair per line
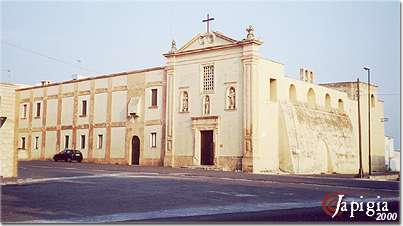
50, 145
67, 111
101, 107
36, 151
153, 116
81, 119
84, 151
99, 153
118, 142
188, 76
51, 113
119, 106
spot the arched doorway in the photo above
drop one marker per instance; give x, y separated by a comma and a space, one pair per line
135, 150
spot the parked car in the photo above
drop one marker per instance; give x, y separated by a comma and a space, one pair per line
68, 155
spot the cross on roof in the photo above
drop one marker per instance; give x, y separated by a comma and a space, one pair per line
208, 22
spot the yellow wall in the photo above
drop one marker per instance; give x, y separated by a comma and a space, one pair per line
8, 153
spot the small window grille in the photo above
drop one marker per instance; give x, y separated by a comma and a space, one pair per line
208, 78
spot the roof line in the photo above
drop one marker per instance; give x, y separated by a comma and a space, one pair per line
347, 83
93, 78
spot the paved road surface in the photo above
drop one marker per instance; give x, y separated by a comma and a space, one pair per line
95, 193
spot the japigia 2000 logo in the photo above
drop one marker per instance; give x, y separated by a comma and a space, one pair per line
335, 204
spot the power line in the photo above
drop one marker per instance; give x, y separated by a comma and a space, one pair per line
47, 57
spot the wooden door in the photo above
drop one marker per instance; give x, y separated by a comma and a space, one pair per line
135, 150
207, 147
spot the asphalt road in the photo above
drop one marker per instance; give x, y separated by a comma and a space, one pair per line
96, 193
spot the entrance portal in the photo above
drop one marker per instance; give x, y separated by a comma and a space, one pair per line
135, 150
207, 147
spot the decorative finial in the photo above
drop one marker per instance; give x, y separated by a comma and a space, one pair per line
173, 46
250, 32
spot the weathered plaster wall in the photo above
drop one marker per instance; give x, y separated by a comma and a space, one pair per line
99, 153
100, 106
318, 141
135, 126
228, 71
50, 146
377, 124
154, 118
265, 154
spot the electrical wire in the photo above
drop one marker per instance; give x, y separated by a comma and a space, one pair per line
48, 57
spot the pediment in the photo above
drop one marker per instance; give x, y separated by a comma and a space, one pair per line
205, 40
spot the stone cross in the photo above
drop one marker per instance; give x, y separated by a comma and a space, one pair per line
208, 22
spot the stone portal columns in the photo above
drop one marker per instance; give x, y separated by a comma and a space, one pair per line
170, 103
250, 60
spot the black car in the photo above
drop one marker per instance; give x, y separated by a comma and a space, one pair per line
68, 155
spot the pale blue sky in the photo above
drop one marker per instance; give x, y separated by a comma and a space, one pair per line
335, 39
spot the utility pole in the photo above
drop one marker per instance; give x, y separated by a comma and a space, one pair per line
360, 171
369, 119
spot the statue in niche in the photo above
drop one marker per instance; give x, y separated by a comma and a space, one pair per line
231, 98
185, 102
207, 105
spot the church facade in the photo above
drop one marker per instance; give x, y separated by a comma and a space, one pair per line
217, 103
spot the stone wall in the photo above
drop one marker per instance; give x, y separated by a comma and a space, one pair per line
8, 154
315, 141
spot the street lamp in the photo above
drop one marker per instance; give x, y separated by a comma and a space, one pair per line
360, 170
369, 118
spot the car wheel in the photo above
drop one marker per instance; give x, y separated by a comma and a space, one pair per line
69, 160
79, 160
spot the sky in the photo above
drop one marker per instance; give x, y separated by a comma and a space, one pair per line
51, 40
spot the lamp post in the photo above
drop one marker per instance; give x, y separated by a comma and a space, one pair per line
360, 170
369, 119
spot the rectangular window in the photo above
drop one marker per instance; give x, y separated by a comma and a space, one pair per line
36, 143
22, 142
153, 138
82, 141
273, 89
66, 141
208, 78
100, 141
153, 97
38, 109
24, 110
84, 108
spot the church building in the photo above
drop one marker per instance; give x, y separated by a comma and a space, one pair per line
216, 104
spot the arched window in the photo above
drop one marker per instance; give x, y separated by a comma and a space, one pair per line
184, 103
372, 100
292, 93
328, 106
341, 105
231, 98
311, 98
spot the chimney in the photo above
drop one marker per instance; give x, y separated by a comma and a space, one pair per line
45, 82
306, 75
74, 76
